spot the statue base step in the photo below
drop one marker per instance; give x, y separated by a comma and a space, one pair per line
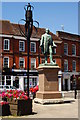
48, 95
54, 101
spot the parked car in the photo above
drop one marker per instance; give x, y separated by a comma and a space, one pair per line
7, 87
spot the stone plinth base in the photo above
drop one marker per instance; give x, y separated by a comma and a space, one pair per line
54, 101
48, 95
48, 82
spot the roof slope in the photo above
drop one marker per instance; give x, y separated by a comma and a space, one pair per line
13, 29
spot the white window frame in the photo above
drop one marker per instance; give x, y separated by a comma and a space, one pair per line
23, 46
20, 60
8, 61
67, 49
8, 44
34, 47
34, 59
66, 61
74, 49
72, 65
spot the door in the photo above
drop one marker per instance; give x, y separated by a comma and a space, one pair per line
66, 84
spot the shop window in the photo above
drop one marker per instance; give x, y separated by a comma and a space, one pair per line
3, 80
21, 46
6, 44
34, 82
8, 80
16, 82
33, 47
25, 84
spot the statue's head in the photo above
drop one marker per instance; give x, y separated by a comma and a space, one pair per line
47, 30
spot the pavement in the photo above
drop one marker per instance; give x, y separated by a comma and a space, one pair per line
59, 110
65, 110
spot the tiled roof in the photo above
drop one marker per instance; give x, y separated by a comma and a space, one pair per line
63, 34
13, 29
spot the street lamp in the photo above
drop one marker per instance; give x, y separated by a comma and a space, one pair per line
28, 31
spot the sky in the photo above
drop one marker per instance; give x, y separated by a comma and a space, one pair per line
50, 15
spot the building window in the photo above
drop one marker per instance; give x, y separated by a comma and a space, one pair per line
21, 46
54, 51
3, 80
73, 49
34, 82
21, 63
65, 65
16, 82
6, 44
54, 60
42, 61
6, 62
33, 63
8, 80
33, 47
65, 49
73, 65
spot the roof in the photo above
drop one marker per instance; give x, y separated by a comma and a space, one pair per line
63, 34
8, 28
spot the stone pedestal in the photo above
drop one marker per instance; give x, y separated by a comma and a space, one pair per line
48, 82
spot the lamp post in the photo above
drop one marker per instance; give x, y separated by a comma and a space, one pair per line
74, 86
28, 31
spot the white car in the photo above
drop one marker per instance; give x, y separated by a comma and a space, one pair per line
7, 87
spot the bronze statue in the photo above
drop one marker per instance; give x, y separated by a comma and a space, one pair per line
46, 45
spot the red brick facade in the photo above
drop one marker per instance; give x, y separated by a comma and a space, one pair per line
11, 31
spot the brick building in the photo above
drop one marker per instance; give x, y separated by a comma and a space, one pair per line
13, 56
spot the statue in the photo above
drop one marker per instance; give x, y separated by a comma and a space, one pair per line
46, 45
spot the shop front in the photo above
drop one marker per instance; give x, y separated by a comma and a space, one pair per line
18, 79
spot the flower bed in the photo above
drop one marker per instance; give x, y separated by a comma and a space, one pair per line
19, 103
4, 108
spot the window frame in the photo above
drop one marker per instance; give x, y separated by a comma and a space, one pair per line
34, 47
8, 44
8, 61
67, 65
34, 63
19, 62
75, 49
75, 65
67, 48
23, 46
